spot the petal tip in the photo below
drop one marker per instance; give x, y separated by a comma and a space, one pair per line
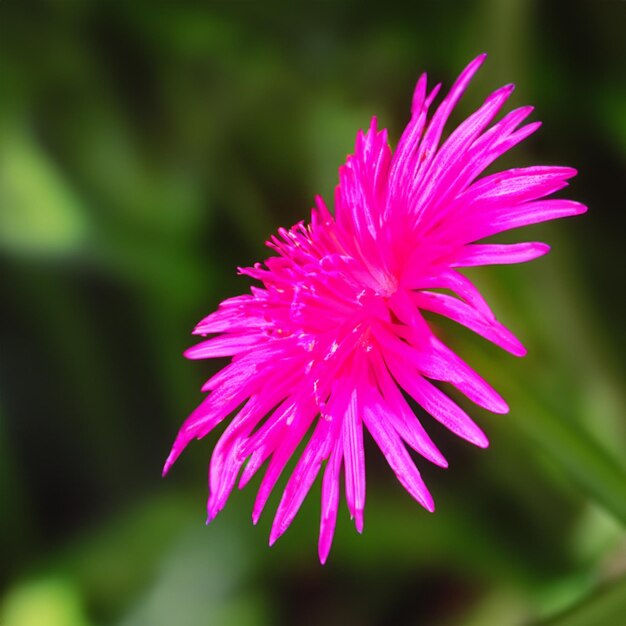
171, 459
323, 551
500, 407
481, 442
518, 350
358, 521
442, 462
191, 353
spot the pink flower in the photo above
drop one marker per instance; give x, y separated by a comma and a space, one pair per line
336, 334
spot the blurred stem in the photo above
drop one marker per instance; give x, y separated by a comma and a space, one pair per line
18, 533
604, 607
506, 35
588, 464
591, 466
80, 357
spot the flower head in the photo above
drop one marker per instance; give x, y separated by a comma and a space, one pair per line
335, 337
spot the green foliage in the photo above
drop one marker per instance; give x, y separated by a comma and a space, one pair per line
146, 151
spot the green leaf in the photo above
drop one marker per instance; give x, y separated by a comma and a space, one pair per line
604, 607
589, 465
39, 211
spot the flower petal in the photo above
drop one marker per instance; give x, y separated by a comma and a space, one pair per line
354, 460
468, 316
401, 417
436, 402
498, 254
224, 345
398, 458
330, 500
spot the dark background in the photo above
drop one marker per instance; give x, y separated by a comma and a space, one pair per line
146, 151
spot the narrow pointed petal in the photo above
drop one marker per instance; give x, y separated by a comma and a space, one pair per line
437, 403
440, 363
226, 345
446, 366
291, 436
304, 474
354, 461
440, 117
330, 500
205, 418
460, 285
468, 316
505, 217
438, 185
499, 254
396, 409
398, 458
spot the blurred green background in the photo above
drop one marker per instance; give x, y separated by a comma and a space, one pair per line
146, 150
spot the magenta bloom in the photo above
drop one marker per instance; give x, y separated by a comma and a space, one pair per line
336, 333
